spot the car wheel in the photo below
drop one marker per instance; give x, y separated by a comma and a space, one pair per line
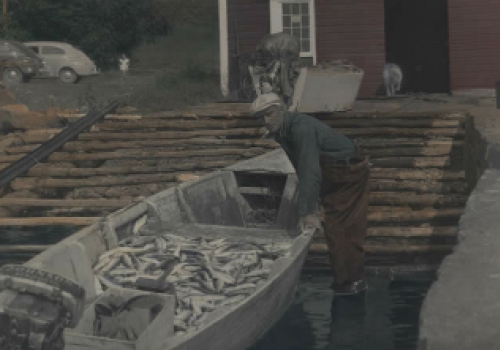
68, 76
13, 75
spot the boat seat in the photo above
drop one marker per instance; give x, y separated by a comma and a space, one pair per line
214, 200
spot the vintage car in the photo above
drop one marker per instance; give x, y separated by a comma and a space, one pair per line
17, 63
63, 61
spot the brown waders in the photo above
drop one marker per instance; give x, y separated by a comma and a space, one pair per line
344, 197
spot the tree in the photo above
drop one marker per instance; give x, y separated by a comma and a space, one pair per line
101, 28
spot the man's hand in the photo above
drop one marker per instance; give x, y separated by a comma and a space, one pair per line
311, 220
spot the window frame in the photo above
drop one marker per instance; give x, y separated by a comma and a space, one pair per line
61, 53
276, 10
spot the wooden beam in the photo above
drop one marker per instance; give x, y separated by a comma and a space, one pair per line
221, 143
417, 216
108, 136
416, 199
430, 174
459, 115
107, 117
29, 183
458, 187
403, 132
48, 221
412, 162
93, 203
411, 151
48, 170
410, 232
265, 191
404, 232
404, 142
158, 124
140, 154
393, 122
5, 15
320, 248
183, 143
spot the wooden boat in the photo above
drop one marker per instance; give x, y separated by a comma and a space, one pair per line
215, 205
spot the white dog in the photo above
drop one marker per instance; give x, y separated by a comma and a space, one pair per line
393, 76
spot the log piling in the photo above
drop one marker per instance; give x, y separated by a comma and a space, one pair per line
418, 187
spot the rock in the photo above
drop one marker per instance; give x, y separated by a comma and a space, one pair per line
16, 108
186, 177
126, 110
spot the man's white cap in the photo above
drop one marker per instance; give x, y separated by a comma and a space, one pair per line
265, 101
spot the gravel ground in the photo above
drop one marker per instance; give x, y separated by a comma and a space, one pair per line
40, 94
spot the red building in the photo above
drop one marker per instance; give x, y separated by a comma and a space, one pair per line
441, 45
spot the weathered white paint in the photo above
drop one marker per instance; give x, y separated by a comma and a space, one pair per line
276, 10
223, 48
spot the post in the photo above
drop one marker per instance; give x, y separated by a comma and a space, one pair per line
5, 15
497, 91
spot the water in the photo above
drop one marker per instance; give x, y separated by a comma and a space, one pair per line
386, 318
31, 236
36, 235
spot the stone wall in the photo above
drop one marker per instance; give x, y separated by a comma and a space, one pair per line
461, 309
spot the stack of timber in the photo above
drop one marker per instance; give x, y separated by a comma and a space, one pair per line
418, 187
123, 159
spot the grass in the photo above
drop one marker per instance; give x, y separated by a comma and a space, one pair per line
185, 65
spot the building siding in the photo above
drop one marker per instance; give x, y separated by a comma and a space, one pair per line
353, 30
248, 23
473, 33
345, 29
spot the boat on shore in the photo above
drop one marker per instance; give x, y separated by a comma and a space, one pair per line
251, 201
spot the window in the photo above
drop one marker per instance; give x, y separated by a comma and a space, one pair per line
51, 50
296, 17
296, 22
34, 49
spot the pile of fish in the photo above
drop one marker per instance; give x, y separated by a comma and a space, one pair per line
340, 66
207, 273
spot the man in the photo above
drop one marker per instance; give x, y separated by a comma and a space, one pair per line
331, 172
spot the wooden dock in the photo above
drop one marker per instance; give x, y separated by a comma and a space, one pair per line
418, 186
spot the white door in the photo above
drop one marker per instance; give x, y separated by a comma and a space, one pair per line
36, 49
53, 57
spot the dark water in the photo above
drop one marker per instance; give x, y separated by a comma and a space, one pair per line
31, 236
38, 235
386, 318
